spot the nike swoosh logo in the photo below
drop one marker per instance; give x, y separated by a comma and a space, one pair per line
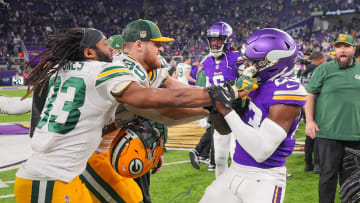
290, 86
226, 97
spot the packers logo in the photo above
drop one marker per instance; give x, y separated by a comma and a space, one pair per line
342, 38
357, 77
136, 166
142, 34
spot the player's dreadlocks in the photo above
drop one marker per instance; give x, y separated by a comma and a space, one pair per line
63, 46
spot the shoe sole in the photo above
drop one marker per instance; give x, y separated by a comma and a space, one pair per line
205, 162
193, 159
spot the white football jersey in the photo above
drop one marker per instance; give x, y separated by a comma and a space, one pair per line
78, 105
181, 69
137, 73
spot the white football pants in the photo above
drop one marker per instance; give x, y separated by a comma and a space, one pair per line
223, 144
245, 184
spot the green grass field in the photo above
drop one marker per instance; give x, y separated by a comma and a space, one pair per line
183, 183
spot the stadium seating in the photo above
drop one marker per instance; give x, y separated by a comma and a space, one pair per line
185, 20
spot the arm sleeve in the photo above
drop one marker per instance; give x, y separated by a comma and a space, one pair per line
260, 143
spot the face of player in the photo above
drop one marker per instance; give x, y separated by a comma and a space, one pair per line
115, 51
344, 54
103, 51
150, 56
216, 42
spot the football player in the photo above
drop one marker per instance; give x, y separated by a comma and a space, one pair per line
218, 67
265, 132
183, 71
84, 91
102, 176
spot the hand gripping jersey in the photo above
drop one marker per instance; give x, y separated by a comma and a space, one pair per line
285, 90
77, 107
226, 70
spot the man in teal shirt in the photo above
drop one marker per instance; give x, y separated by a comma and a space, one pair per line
333, 114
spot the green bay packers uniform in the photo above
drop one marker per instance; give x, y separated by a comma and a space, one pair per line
102, 179
78, 105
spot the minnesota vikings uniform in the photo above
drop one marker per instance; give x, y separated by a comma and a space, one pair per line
217, 73
104, 183
246, 177
193, 72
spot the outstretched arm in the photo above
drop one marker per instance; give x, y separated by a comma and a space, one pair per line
261, 142
141, 97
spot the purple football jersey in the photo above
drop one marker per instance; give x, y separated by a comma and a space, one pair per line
225, 70
193, 72
286, 90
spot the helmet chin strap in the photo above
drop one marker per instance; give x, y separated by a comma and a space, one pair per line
218, 52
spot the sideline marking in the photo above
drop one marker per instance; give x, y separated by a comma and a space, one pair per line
7, 196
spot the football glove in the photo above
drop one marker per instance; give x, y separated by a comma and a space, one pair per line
246, 82
349, 191
221, 94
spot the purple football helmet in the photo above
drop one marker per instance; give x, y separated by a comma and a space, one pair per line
223, 31
273, 51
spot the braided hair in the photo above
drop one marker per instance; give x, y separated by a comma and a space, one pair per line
63, 46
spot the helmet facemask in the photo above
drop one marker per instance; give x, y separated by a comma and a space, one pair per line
219, 38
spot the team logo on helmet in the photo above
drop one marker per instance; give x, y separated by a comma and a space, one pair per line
135, 151
136, 166
273, 51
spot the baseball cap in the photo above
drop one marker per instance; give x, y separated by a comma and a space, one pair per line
345, 39
143, 30
115, 41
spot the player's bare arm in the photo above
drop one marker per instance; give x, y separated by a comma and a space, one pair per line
311, 126
138, 96
175, 84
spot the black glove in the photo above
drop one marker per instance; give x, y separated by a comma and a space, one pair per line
350, 190
221, 94
240, 106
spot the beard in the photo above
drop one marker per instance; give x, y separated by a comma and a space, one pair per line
102, 56
151, 61
346, 63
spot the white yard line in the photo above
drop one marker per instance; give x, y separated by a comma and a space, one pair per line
6, 196
176, 162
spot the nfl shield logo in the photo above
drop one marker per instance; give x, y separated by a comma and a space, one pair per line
142, 34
